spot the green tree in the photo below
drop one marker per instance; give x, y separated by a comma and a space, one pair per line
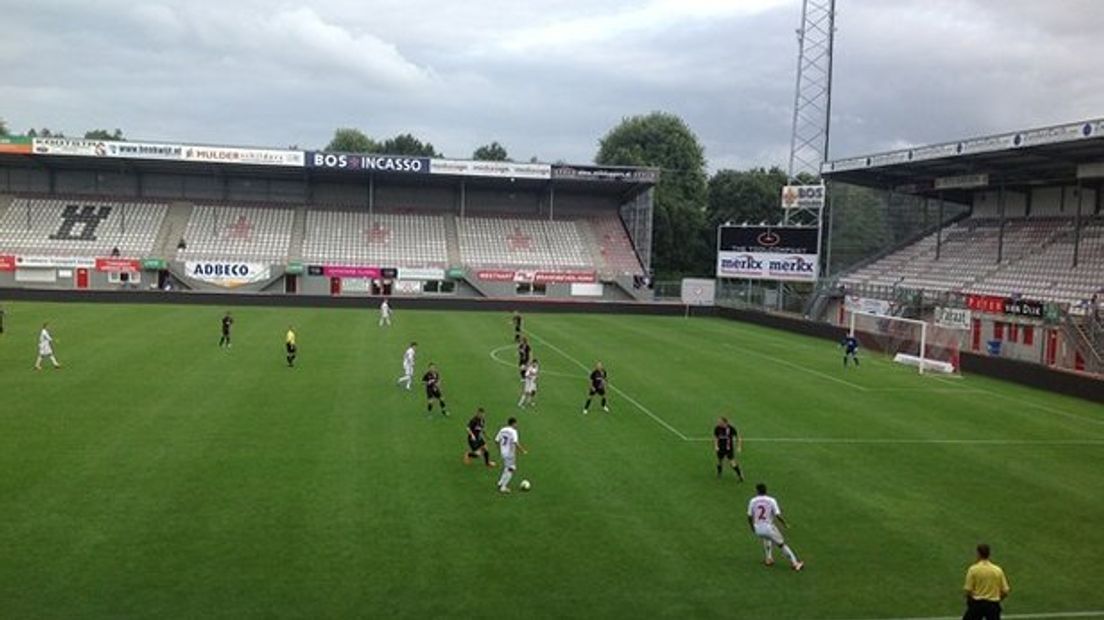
44, 133
349, 140
491, 152
663, 140
3, 128
750, 196
103, 134
407, 144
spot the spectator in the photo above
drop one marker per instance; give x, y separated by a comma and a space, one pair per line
180, 245
115, 252
986, 586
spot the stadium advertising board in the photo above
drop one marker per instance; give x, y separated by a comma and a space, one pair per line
7, 262
1006, 305
228, 274
15, 144
768, 253
348, 271
954, 318
235, 155
64, 262
1024, 307
144, 150
605, 174
985, 303
803, 197
412, 273
538, 277
69, 146
379, 163
854, 303
118, 265
500, 169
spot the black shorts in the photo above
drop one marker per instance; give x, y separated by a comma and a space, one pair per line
291, 349
432, 392
600, 390
476, 444
724, 453
982, 610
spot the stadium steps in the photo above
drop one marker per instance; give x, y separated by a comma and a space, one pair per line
590, 240
298, 234
172, 229
5, 202
452, 236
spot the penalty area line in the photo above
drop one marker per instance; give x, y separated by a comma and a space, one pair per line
1055, 615
613, 387
899, 441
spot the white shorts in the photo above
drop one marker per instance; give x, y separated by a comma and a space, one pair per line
509, 462
45, 350
530, 386
408, 371
769, 532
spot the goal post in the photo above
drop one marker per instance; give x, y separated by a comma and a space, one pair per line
912, 342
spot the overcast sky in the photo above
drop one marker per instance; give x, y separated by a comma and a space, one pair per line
544, 78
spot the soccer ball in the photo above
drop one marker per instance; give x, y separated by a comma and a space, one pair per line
525, 486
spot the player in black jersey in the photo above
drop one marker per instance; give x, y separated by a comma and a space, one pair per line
727, 442
851, 349
597, 387
477, 442
227, 322
517, 326
432, 381
525, 353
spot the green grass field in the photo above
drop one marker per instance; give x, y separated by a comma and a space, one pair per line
159, 476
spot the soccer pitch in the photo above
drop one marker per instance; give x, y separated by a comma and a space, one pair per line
157, 475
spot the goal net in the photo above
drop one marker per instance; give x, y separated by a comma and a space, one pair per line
926, 346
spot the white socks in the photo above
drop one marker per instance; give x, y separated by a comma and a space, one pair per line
504, 480
767, 548
789, 554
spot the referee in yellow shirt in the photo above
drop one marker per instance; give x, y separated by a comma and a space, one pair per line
289, 345
986, 586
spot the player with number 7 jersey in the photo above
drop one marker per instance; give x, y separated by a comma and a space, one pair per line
762, 512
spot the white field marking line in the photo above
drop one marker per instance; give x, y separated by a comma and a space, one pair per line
543, 372
613, 387
1027, 616
1035, 405
902, 440
823, 375
936, 377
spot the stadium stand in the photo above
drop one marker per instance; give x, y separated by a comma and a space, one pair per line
80, 227
1036, 261
508, 242
615, 247
220, 232
400, 240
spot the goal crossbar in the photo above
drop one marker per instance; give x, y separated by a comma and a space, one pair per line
919, 358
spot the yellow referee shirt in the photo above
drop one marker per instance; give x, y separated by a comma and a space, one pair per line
985, 581
290, 339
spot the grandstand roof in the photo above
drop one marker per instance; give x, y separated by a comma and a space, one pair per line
1041, 156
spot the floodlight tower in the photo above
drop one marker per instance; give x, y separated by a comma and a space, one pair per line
813, 92
812, 108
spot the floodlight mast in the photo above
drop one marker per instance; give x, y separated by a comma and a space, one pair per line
811, 112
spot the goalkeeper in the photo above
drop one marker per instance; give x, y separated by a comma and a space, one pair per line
851, 350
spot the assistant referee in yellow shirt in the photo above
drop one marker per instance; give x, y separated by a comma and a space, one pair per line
986, 586
290, 346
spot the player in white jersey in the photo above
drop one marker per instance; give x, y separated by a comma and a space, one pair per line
508, 445
529, 384
45, 348
762, 512
408, 366
385, 314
